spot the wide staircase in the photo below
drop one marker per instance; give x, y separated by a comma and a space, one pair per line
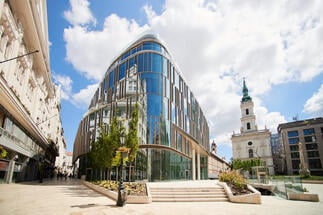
206, 193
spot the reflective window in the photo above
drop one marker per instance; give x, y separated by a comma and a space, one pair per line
311, 146
157, 64
293, 140
294, 155
292, 133
314, 163
153, 83
313, 154
111, 79
309, 139
122, 70
294, 148
151, 46
179, 142
165, 67
167, 165
308, 131
140, 63
132, 62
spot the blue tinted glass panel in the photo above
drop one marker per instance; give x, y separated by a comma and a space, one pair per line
111, 79
147, 46
147, 62
294, 140
165, 67
154, 103
152, 82
133, 51
125, 55
140, 63
151, 46
308, 131
292, 133
156, 47
122, 71
131, 62
157, 63
165, 109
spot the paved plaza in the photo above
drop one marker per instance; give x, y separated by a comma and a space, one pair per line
70, 197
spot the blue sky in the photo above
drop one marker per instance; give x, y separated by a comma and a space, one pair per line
277, 46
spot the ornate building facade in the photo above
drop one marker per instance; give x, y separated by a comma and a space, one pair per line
173, 131
251, 142
31, 132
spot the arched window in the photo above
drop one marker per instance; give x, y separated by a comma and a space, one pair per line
250, 153
247, 111
248, 125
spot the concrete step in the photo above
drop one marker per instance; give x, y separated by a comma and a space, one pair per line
191, 200
188, 194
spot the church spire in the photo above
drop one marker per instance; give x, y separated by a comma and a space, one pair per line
246, 96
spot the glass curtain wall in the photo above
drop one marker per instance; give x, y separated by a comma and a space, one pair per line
169, 115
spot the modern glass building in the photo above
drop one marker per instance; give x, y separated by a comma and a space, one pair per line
173, 132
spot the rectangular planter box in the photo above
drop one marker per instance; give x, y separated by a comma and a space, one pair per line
131, 199
252, 198
303, 197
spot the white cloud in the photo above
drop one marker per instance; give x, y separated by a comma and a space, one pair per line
80, 13
66, 85
91, 52
216, 44
314, 105
83, 97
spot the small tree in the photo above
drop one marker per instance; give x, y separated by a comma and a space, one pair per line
132, 141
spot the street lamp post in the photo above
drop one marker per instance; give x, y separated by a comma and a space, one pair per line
121, 191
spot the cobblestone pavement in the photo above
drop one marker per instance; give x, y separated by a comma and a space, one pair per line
70, 197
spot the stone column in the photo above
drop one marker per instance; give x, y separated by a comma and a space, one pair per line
198, 166
11, 167
193, 165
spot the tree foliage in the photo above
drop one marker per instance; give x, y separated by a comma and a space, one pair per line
3, 152
105, 150
246, 164
132, 140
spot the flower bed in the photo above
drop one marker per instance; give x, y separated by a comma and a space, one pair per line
138, 193
237, 188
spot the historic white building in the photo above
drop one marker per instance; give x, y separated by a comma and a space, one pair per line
30, 126
251, 142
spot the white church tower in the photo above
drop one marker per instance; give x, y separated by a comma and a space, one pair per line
251, 142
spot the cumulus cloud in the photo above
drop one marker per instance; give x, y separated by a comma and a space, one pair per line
216, 44
79, 14
66, 85
83, 97
91, 52
314, 105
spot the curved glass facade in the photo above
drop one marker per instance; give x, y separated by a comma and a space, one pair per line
173, 132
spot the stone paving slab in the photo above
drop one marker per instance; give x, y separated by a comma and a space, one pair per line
70, 197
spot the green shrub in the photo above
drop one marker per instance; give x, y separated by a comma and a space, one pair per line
233, 178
